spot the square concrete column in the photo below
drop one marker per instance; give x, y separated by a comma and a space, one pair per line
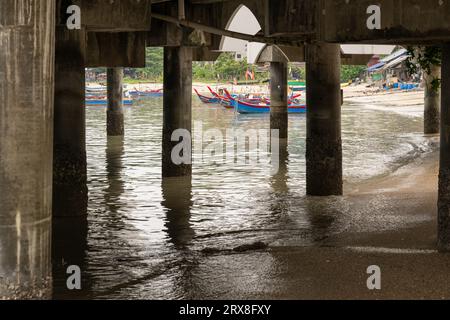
177, 118
444, 169
279, 98
432, 100
324, 144
69, 167
115, 117
26, 131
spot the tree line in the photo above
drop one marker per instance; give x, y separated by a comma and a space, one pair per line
225, 69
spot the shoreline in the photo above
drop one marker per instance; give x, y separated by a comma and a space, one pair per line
401, 209
336, 267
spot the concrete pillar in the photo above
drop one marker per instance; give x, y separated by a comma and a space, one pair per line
69, 167
444, 170
279, 98
324, 144
26, 130
177, 114
432, 101
115, 119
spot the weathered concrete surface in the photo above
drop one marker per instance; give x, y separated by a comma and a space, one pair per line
340, 21
26, 129
111, 16
323, 143
345, 21
177, 107
69, 166
432, 101
279, 98
115, 117
444, 170
119, 49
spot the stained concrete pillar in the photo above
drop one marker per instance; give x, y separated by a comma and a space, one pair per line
323, 144
444, 170
432, 100
177, 114
26, 130
69, 167
115, 118
279, 98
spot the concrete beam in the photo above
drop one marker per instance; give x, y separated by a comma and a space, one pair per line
113, 16
121, 49
171, 35
406, 21
204, 54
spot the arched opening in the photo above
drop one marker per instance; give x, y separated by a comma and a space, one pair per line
244, 21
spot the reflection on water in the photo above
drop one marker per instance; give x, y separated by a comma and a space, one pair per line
69, 247
144, 237
177, 195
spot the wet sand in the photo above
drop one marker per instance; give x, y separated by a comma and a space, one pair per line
336, 267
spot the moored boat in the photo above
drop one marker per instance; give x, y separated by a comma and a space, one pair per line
104, 102
249, 108
207, 100
147, 94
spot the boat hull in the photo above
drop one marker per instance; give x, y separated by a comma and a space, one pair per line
245, 108
144, 94
207, 100
101, 102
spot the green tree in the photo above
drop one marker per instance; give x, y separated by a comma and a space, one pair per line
349, 73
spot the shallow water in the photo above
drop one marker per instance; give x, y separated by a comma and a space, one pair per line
144, 237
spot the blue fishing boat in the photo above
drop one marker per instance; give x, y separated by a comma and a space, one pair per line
247, 108
244, 107
104, 102
207, 100
147, 94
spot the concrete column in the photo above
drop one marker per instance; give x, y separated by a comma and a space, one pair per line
444, 170
177, 115
279, 98
26, 130
432, 101
69, 167
115, 119
324, 144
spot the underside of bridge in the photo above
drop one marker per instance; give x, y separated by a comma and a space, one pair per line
42, 120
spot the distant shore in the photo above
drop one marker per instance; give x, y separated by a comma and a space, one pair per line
352, 91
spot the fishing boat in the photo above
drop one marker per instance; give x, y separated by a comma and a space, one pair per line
147, 94
227, 103
223, 100
207, 100
99, 90
249, 108
104, 102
